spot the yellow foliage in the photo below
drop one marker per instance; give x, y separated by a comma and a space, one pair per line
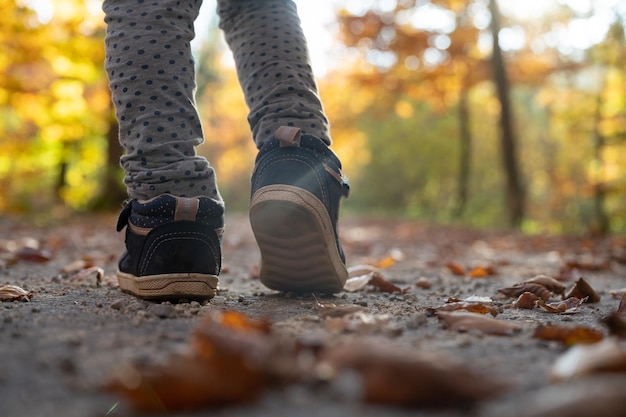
404, 109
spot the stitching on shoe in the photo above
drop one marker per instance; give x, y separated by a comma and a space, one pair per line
167, 237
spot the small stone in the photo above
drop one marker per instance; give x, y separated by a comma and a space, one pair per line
118, 305
162, 311
416, 321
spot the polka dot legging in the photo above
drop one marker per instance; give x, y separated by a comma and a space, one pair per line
152, 81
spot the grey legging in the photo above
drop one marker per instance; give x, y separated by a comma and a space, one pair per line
152, 80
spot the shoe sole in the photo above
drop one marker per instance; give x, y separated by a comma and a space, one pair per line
169, 286
297, 241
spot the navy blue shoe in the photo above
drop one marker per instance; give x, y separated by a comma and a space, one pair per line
173, 247
297, 185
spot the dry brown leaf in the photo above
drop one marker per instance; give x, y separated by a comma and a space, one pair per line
550, 283
14, 293
605, 356
33, 254
231, 359
537, 289
618, 293
596, 264
568, 335
526, 300
424, 283
472, 307
621, 308
378, 281
616, 324
390, 376
373, 278
582, 289
567, 306
465, 321
360, 322
455, 268
74, 266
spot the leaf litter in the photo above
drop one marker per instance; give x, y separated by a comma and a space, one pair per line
233, 359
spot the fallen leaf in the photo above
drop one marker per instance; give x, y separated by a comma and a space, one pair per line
550, 283
231, 359
477, 299
589, 265
618, 293
526, 300
582, 289
605, 356
537, 289
388, 375
621, 308
616, 324
92, 273
472, 307
465, 321
385, 263
382, 284
595, 395
74, 266
373, 278
482, 272
567, 306
568, 335
33, 254
424, 283
456, 269
14, 293
361, 322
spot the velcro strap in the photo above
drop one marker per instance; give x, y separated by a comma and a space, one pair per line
288, 136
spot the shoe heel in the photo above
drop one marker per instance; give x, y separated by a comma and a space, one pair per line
296, 240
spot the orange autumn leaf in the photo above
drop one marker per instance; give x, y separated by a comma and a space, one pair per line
385, 263
455, 269
231, 359
568, 335
482, 272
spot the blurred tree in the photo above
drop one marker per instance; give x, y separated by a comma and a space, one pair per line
515, 194
54, 104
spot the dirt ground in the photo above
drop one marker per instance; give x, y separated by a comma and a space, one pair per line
61, 346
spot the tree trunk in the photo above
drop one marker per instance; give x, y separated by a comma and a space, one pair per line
465, 153
601, 224
113, 192
515, 195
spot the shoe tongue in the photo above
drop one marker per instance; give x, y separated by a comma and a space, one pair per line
288, 136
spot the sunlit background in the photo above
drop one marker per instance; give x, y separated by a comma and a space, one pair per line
413, 91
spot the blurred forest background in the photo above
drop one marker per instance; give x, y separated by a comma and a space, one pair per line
455, 111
